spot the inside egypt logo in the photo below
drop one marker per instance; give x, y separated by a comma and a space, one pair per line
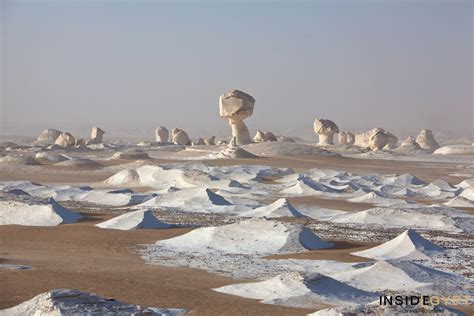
428, 300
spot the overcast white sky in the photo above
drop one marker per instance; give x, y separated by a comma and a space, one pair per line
128, 66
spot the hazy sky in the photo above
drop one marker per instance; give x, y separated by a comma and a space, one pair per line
128, 66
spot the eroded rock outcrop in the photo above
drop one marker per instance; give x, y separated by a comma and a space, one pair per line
375, 139
65, 140
96, 136
180, 137
210, 140
264, 137
235, 106
325, 130
162, 134
48, 136
426, 140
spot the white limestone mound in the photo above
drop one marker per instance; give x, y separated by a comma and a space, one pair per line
304, 185
35, 213
455, 150
84, 163
133, 154
465, 184
345, 138
124, 177
162, 134
408, 245
180, 137
235, 106
48, 136
410, 146
72, 302
375, 139
65, 140
141, 219
375, 198
468, 193
97, 135
232, 151
264, 137
438, 189
50, 157
460, 201
426, 140
380, 276
325, 130
252, 237
414, 216
392, 141
282, 149
279, 208
291, 289
199, 200
22, 160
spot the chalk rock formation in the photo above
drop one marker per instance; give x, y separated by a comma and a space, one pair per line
222, 142
392, 141
65, 140
455, 150
426, 140
80, 142
409, 145
264, 137
375, 139
342, 138
49, 136
210, 140
180, 137
235, 106
96, 136
162, 134
282, 138
325, 130
199, 142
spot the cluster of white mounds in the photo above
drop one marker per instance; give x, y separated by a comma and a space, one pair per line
409, 246
460, 201
418, 216
79, 194
131, 155
275, 149
253, 237
199, 200
305, 185
279, 208
73, 302
141, 219
438, 189
375, 198
35, 212
291, 289
232, 152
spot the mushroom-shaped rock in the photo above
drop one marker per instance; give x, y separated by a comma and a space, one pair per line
49, 136
162, 134
325, 130
96, 136
180, 137
426, 140
235, 106
210, 140
65, 140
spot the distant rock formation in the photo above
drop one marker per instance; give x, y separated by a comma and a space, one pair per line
80, 142
282, 138
235, 106
392, 141
199, 142
325, 130
210, 140
375, 139
162, 134
180, 137
96, 136
65, 140
264, 137
426, 140
49, 136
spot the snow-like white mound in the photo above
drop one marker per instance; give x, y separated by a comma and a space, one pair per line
468, 193
468, 183
256, 236
415, 216
201, 200
375, 198
124, 177
131, 155
408, 245
305, 185
272, 149
35, 213
291, 289
279, 208
455, 150
73, 302
141, 219
232, 152
379, 277
460, 201
50, 157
